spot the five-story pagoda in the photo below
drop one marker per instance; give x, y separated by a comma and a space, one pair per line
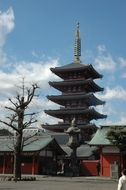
77, 99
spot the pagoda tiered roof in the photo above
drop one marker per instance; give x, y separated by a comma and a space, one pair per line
88, 84
87, 70
64, 126
89, 98
77, 87
89, 113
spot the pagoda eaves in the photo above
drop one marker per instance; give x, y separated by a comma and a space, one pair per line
88, 84
89, 99
83, 70
64, 126
89, 113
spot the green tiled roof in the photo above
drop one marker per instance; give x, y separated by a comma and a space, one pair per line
84, 151
6, 144
38, 144
35, 144
100, 136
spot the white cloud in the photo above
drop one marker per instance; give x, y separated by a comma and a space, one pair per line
36, 71
3, 57
6, 24
114, 116
32, 72
46, 118
101, 48
115, 93
122, 61
105, 109
40, 104
38, 55
105, 63
122, 120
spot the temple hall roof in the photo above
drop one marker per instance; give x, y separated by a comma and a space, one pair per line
35, 144
100, 137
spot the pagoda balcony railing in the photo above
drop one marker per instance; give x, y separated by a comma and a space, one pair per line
60, 122
73, 93
61, 107
74, 107
81, 122
64, 123
78, 78
78, 122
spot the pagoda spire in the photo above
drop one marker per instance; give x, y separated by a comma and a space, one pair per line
77, 45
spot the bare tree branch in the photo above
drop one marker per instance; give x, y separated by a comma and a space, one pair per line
27, 124
31, 114
15, 104
10, 108
30, 139
10, 125
19, 107
18, 98
31, 93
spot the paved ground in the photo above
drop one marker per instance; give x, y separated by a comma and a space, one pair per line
61, 183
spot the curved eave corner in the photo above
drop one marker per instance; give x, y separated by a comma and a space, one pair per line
97, 73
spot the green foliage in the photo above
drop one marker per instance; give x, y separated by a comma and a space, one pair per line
117, 135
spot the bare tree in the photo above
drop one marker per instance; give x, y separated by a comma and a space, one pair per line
20, 119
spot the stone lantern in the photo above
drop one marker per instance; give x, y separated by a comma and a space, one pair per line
74, 143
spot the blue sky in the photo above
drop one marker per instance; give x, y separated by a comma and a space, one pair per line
37, 35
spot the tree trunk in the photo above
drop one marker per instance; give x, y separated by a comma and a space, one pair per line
17, 158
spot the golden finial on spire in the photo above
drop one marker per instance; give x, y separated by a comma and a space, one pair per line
77, 45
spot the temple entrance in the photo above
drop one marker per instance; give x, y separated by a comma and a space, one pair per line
47, 166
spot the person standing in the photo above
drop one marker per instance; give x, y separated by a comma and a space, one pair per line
122, 181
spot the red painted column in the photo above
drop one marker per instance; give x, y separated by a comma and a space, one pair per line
4, 161
101, 162
37, 164
33, 165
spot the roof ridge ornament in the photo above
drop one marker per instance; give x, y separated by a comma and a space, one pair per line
77, 45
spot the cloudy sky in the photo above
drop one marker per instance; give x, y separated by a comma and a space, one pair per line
37, 35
